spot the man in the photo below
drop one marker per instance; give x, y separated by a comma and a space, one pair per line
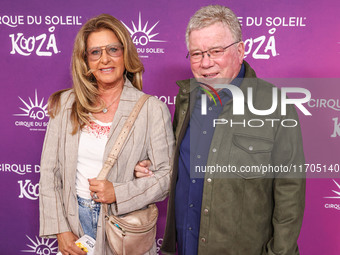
235, 212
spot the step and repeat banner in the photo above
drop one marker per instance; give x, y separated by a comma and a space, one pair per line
295, 42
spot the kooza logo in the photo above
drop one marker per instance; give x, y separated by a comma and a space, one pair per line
42, 246
142, 34
26, 45
336, 131
34, 110
28, 190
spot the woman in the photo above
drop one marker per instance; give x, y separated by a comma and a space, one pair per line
85, 122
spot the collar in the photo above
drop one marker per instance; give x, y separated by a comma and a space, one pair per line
236, 81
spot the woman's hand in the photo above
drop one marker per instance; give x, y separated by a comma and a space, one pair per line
142, 169
104, 191
66, 244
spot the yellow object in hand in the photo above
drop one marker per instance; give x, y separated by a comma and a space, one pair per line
82, 247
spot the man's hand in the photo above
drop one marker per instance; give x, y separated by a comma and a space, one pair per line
104, 191
142, 169
66, 244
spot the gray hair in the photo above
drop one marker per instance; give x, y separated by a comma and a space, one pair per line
212, 14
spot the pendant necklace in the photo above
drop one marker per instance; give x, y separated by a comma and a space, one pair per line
105, 110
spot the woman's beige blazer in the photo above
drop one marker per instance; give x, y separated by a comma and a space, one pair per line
151, 137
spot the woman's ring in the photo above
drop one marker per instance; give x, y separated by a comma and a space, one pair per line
95, 196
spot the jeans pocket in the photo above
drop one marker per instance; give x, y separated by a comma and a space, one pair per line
88, 216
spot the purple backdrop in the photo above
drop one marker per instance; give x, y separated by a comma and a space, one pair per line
287, 39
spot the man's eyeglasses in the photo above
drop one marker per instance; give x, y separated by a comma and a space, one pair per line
112, 50
213, 53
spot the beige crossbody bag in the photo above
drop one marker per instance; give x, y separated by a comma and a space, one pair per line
135, 232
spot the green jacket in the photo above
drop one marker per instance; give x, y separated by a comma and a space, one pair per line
246, 213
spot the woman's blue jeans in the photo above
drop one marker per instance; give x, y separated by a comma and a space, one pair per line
88, 216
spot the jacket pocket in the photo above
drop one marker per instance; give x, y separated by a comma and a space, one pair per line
251, 155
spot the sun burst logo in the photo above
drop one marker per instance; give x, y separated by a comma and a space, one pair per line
42, 247
35, 110
142, 36
336, 192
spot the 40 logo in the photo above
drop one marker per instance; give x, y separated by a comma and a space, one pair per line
42, 246
142, 34
34, 109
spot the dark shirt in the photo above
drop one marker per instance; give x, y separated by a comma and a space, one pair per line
194, 151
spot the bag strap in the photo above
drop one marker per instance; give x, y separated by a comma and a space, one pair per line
113, 156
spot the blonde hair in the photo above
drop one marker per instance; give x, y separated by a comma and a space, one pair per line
211, 14
84, 83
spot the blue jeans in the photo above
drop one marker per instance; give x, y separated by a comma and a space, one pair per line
88, 216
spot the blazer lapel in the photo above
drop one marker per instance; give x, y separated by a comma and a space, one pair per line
127, 101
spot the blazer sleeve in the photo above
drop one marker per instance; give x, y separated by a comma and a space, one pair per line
141, 192
51, 207
289, 190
